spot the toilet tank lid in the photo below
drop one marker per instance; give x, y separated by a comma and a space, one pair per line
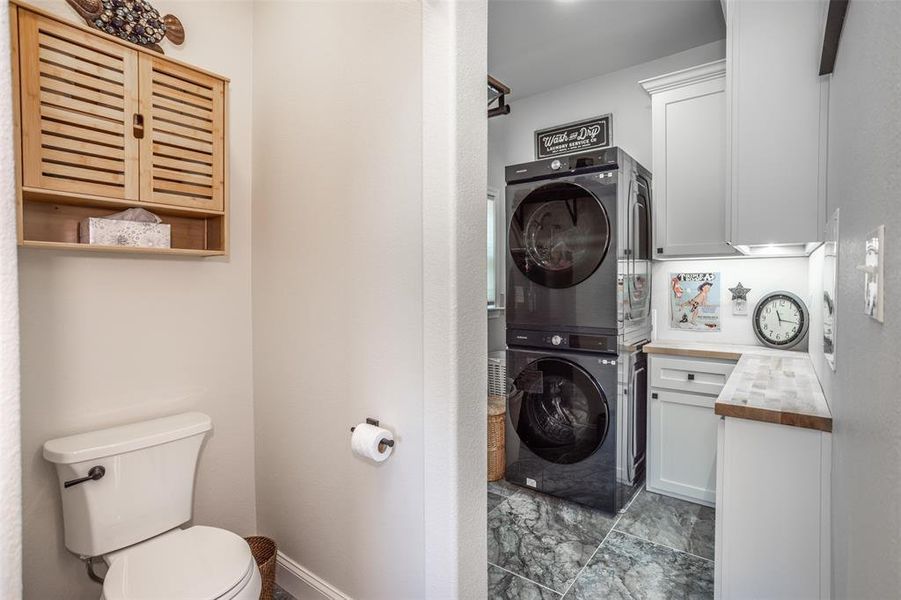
125, 438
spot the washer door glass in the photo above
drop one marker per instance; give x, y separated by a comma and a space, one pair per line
559, 235
558, 410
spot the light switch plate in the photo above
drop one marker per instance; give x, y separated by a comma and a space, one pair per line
873, 274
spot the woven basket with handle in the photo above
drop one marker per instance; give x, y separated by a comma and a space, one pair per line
497, 463
264, 551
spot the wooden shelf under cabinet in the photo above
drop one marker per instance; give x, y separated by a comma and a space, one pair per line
103, 125
50, 221
122, 249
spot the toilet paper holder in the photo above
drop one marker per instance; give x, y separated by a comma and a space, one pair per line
389, 443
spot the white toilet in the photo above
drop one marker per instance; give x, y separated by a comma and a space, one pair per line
129, 489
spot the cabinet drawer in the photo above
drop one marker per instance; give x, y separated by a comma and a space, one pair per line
690, 374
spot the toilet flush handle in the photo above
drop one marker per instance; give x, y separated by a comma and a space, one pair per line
94, 474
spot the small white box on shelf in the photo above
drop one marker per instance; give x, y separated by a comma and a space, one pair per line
125, 229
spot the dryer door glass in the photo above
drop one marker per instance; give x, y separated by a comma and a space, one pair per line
640, 252
559, 235
558, 410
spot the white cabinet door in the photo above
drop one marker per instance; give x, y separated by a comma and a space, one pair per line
682, 446
688, 112
777, 126
772, 519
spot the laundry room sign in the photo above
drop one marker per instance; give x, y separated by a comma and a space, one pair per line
573, 137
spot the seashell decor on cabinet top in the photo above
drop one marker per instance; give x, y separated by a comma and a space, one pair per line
135, 21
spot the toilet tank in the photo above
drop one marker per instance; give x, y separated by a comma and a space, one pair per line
148, 486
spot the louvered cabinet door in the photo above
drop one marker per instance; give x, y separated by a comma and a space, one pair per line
183, 148
78, 100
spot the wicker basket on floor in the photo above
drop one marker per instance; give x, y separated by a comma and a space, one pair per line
497, 463
264, 551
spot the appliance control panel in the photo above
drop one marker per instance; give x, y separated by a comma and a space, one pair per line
592, 160
562, 340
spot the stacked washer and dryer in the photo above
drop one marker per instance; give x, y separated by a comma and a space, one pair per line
578, 314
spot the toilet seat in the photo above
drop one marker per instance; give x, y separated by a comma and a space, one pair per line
198, 563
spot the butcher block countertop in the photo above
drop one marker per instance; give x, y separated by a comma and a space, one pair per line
773, 386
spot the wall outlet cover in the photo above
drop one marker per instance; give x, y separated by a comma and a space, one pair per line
739, 299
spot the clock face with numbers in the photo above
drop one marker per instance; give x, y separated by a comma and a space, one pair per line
781, 320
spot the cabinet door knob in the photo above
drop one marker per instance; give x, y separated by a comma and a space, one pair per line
654, 395
138, 126
691, 376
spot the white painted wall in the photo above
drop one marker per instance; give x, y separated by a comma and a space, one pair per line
511, 137
111, 339
368, 285
453, 222
10, 449
864, 179
337, 284
762, 275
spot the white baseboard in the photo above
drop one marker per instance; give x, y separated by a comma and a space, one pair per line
302, 583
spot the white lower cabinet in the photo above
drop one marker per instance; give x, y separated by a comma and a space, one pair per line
682, 448
772, 511
682, 427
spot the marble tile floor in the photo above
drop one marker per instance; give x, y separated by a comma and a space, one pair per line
545, 548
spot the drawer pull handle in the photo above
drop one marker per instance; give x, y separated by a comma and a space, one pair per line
654, 395
691, 376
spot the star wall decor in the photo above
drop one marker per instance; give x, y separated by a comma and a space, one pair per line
739, 292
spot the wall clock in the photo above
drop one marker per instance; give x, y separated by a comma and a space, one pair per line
781, 320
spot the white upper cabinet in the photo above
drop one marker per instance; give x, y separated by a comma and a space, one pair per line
776, 119
688, 111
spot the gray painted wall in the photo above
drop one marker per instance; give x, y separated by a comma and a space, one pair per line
864, 173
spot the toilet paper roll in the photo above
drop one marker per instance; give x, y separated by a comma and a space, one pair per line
366, 441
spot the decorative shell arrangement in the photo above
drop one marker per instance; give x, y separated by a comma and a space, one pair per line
135, 21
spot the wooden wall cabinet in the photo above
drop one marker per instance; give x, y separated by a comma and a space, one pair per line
688, 116
777, 122
104, 125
